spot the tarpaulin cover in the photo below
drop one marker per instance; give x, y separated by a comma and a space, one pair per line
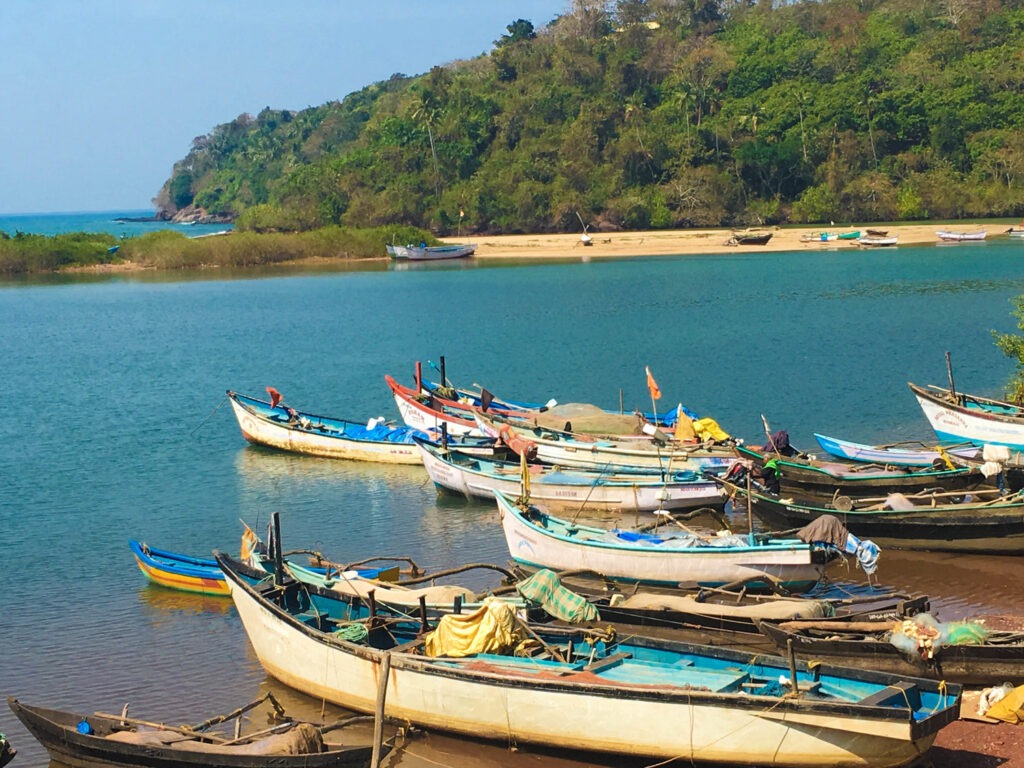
492, 628
545, 588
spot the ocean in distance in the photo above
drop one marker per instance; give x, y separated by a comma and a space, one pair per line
123, 224
118, 428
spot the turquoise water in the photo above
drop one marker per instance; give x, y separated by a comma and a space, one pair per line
117, 427
97, 221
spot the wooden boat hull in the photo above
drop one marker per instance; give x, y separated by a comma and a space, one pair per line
959, 237
430, 253
188, 574
325, 437
418, 414
819, 481
530, 701
534, 545
890, 455
978, 665
979, 528
975, 419
556, 490
57, 731
563, 449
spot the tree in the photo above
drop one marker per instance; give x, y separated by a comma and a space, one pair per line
518, 30
1012, 345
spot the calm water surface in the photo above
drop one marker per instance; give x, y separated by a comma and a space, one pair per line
117, 427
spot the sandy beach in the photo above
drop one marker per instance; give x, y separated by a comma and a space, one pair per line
694, 241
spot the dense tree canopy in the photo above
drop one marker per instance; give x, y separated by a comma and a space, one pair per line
652, 114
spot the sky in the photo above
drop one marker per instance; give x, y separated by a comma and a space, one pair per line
101, 97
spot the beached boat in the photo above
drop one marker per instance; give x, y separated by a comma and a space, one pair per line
671, 556
101, 740
980, 521
558, 489
640, 697
277, 425
905, 453
816, 480
965, 652
182, 572
827, 237
749, 238
619, 453
952, 236
425, 252
958, 416
877, 241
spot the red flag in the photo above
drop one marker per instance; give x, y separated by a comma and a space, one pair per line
652, 385
275, 397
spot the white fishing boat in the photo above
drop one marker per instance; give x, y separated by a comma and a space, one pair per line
637, 697
671, 557
424, 252
952, 236
560, 489
956, 416
654, 451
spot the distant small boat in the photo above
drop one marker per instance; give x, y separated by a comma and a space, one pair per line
749, 238
113, 249
825, 237
1015, 232
430, 252
950, 236
876, 232
872, 241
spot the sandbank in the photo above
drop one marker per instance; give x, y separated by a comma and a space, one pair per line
694, 241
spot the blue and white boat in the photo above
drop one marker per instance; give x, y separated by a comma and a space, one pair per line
424, 252
981, 420
902, 454
587, 690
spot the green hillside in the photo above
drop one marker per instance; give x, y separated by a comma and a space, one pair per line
642, 114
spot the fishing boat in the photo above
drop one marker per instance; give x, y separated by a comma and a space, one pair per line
277, 425
827, 237
620, 453
749, 238
638, 697
100, 740
965, 652
958, 416
670, 557
202, 575
952, 236
877, 241
979, 521
559, 489
905, 453
176, 571
816, 480
424, 252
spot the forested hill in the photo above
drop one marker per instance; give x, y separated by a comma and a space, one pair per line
641, 114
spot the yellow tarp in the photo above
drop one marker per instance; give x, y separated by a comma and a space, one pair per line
708, 427
1010, 708
492, 628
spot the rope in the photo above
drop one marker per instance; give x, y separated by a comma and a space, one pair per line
353, 632
197, 426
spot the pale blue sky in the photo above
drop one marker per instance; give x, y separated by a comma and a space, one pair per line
101, 97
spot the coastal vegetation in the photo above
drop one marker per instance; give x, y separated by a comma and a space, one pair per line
648, 114
23, 253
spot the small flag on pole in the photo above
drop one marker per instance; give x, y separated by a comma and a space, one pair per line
652, 385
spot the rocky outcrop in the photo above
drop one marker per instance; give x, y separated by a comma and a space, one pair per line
192, 215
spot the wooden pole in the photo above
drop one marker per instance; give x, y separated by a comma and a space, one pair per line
378, 713
792, 666
949, 372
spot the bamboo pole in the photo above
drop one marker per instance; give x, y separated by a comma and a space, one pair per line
378, 712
